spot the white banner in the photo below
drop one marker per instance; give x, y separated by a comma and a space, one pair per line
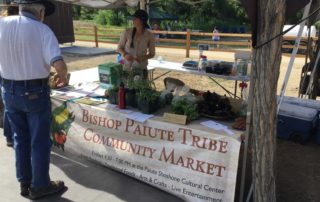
192, 164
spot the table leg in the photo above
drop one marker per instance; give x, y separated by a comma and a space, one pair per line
235, 88
150, 74
153, 79
230, 93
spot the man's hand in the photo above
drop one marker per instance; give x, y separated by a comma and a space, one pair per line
60, 78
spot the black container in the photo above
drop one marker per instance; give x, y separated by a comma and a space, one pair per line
147, 107
113, 96
131, 97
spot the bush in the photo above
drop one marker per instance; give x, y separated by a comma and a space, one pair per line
109, 17
102, 17
87, 13
116, 18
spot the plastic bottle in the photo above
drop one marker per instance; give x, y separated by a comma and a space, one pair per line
121, 97
242, 66
120, 59
203, 62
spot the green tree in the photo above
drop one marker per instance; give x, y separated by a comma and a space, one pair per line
206, 14
203, 16
111, 17
102, 17
87, 13
76, 12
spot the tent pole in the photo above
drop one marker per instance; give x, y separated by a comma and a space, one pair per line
293, 55
248, 133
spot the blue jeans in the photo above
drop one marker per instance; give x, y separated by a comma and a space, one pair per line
7, 132
29, 110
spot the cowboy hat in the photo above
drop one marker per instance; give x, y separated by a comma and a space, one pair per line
49, 6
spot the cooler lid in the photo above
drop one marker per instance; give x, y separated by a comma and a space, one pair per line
315, 104
299, 112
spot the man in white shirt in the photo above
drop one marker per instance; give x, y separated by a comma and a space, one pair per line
28, 49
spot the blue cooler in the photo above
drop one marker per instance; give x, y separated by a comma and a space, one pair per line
296, 122
318, 129
314, 104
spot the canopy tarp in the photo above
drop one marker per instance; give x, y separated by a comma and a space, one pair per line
107, 4
157, 15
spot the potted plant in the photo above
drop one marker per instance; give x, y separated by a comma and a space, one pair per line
148, 100
132, 80
113, 94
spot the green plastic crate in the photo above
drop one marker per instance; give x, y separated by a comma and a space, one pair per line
109, 74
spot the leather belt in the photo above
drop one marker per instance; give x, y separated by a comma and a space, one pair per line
32, 82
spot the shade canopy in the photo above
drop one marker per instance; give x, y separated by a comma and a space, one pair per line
107, 4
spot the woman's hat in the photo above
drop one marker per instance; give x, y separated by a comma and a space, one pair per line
49, 6
143, 16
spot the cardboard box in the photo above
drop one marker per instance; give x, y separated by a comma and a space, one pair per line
109, 74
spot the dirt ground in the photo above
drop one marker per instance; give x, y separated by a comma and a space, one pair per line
297, 166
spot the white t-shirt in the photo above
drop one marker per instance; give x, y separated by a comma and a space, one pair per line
27, 48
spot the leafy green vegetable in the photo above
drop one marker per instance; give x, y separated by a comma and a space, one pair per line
184, 107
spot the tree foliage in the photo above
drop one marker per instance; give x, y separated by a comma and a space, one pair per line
206, 15
203, 16
111, 17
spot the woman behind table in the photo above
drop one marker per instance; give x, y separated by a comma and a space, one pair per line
137, 44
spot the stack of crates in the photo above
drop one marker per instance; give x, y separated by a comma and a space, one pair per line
311, 104
109, 74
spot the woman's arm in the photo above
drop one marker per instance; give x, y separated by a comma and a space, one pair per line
151, 48
121, 47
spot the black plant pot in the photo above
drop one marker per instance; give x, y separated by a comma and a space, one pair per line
131, 98
147, 107
113, 97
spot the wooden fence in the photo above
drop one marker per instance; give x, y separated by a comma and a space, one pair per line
187, 40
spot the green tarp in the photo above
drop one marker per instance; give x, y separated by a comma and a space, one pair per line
157, 15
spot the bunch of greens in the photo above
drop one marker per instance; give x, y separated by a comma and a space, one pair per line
132, 79
149, 95
185, 107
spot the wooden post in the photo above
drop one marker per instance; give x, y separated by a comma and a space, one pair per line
265, 73
188, 43
96, 36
